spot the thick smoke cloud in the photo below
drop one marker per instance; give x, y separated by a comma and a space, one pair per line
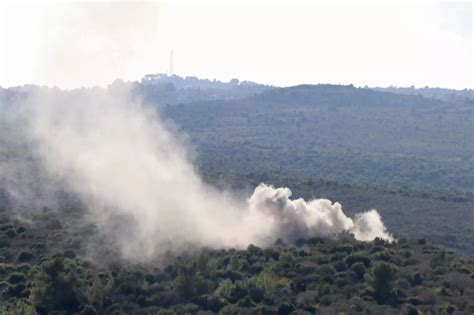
129, 166
291, 219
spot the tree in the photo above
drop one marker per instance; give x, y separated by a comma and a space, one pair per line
382, 280
57, 286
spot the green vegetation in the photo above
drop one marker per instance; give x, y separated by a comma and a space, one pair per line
436, 93
336, 132
406, 155
315, 275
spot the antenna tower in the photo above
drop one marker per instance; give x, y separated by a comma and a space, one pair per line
171, 64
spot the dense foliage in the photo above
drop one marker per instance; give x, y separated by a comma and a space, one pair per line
336, 132
328, 131
46, 269
437, 93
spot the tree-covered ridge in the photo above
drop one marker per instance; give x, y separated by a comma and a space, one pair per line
337, 132
54, 263
437, 93
329, 131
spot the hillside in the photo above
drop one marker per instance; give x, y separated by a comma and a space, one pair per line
49, 265
436, 93
408, 156
336, 132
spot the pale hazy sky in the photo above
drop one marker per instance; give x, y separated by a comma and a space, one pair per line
276, 42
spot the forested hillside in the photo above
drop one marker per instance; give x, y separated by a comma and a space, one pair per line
436, 93
55, 263
408, 156
337, 132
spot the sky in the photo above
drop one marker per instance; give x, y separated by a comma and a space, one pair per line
283, 43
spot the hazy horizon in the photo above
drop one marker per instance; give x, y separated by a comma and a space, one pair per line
185, 76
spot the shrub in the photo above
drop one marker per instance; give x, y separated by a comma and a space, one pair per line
409, 309
285, 308
21, 229
271, 253
69, 253
3, 285
16, 277
4, 244
359, 269
16, 290
417, 279
340, 266
11, 233
54, 224
230, 309
415, 300
25, 256
23, 267
6, 227
6, 268
253, 250
353, 258
88, 310
38, 245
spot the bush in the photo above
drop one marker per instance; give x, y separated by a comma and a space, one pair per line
415, 300
359, 269
271, 253
409, 310
417, 279
230, 309
69, 253
16, 290
11, 233
38, 245
25, 256
340, 266
23, 267
54, 224
4, 243
88, 310
6, 269
16, 277
21, 229
5, 227
353, 258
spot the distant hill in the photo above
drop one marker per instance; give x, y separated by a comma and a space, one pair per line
436, 93
337, 132
328, 131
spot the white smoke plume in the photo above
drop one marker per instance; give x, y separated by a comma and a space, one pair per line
290, 219
125, 162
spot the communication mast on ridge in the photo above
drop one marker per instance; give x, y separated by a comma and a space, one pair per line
171, 64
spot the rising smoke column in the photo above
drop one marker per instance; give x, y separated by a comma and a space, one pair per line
129, 166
